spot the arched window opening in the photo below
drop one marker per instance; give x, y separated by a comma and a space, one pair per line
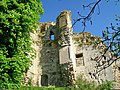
52, 36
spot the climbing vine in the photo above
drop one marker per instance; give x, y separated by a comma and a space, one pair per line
18, 18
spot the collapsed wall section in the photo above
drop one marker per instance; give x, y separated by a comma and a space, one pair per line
92, 63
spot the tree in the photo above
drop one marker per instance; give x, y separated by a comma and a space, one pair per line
18, 18
111, 38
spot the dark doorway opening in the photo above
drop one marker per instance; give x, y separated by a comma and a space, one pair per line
44, 80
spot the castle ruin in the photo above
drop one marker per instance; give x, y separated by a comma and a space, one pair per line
62, 56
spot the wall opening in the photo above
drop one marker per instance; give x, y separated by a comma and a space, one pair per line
44, 80
79, 59
52, 36
79, 55
119, 68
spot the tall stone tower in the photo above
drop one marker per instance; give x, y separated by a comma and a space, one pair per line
54, 56
66, 49
64, 26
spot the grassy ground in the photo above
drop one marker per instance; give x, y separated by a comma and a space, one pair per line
81, 85
46, 88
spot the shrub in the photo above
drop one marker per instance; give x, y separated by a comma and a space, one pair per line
85, 85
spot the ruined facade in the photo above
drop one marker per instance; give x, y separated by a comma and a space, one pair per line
62, 56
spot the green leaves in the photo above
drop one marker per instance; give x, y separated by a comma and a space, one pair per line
83, 84
17, 19
111, 37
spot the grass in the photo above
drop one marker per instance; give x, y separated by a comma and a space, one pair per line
45, 88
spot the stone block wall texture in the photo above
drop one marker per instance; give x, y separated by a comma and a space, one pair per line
62, 56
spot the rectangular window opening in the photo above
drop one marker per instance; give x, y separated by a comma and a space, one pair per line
79, 55
79, 59
52, 37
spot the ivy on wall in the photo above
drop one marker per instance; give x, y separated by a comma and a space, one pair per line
17, 19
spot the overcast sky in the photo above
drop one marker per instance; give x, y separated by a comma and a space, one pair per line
108, 10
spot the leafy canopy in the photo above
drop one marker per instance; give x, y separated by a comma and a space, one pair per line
17, 19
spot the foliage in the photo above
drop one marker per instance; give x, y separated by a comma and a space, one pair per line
83, 84
17, 19
46, 88
111, 37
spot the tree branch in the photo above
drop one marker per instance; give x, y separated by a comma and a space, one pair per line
88, 17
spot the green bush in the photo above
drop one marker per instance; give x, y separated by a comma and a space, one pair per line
81, 84
105, 86
46, 88
18, 18
85, 85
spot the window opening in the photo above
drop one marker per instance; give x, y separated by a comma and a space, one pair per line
79, 59
52, 36
119, 68
79, 55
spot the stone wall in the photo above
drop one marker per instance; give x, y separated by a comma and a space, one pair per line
93, 62
62, 56
88, 64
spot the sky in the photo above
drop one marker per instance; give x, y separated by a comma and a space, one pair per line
108, 10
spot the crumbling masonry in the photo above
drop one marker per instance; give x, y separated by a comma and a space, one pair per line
62, 56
